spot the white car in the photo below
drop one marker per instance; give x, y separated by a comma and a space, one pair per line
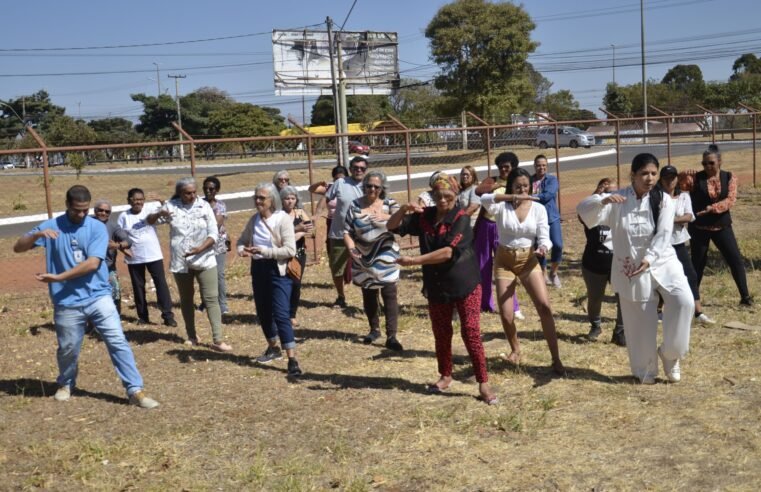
7, 165
568, 136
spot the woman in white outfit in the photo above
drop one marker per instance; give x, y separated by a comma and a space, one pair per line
645, 265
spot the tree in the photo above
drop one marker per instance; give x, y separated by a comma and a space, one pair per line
683, 77
198, 105
158, 115
114, 130
322, 111
560, 105
482, 49
616, 100
746, 65
64, 130
36, 109
243, 120
359, 109
415, 103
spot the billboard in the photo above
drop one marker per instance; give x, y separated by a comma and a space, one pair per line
302, 62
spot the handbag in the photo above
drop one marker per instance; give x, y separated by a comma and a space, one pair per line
293, 267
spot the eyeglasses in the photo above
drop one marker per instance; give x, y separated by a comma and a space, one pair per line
359, 168
260, 197
372, 187
102, 211
284, 180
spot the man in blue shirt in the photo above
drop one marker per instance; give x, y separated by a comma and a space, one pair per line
546, 188
77, 277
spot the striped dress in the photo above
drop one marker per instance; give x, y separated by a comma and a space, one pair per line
375, 243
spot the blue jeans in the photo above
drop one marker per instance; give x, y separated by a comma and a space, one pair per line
70, 330
556, 238
272, 297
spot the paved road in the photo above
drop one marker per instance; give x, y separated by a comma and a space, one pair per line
243, 201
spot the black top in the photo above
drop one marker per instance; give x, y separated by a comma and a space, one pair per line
597, 258
456, 278
701, 200
115, 233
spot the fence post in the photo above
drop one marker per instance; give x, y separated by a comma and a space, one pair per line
192, 148
668, 131
753, 119
45, 168
487, 141
310, 168
618, 145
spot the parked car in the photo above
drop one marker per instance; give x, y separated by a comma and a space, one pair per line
568, 136
356, 147
7, 165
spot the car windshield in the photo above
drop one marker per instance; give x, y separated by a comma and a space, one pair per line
574, 130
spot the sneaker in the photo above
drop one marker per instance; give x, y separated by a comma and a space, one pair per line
294, 370
519, 315
272, 353
340, 303
221, 347
671, 368
704, 319
63, 393
555, 281
594, 332
547, 280
142, 321
371, 337
140, 399
746, 302
192, 342
619, 338
171, 322
393, 344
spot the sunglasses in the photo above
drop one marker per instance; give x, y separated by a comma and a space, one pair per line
102, 211
260, 197
359, 168
372, 187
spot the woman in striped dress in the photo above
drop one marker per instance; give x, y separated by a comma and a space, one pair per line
374, 252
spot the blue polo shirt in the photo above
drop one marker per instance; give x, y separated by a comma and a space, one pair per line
75, 243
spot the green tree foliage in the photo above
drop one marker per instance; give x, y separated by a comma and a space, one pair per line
62, 130
561, 105
683, 77
359, 109
616, 100
243, 120
36, 109
198, 105
114, 130
158, 115
322, 111
482, 49
415, 103
745, 66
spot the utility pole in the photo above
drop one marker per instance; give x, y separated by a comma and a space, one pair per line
644, 79
336, 109
179, 111
614, 63
342, 99
158, 80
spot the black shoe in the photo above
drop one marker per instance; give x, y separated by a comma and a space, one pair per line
170, 322
141, 321
594, 332
371, 337
746, 301
272, 353
340, 302
619, 338
294, 370
393, 344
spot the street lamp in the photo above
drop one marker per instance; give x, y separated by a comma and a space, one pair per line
158, 79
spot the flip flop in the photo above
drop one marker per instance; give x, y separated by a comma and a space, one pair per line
491, 401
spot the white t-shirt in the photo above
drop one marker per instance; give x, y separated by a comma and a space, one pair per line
683, 206
514, 233
262, 236
145, 243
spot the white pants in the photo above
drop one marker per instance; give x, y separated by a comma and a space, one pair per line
641, 328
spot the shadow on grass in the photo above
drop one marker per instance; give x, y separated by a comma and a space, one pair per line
536, 335
240, 319
43, 389
35, 329
142, 337
338, 381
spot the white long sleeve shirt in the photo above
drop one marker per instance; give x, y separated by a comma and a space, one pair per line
632, 227
683, 206
190, 225
514, 233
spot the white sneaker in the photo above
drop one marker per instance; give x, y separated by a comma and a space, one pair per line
62, 394
519, 315
671, 368
140, 399
556, 281
703, 319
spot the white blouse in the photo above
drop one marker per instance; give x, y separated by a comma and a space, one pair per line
513, 233
683, 206
635, 238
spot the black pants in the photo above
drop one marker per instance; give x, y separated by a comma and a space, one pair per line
689, 270
296, 289
137, 275
726, 243
390, 308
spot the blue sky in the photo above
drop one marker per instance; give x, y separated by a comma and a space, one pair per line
572, 35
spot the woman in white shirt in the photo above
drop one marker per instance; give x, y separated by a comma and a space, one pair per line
269, 240
680, 236
520, 223
192, 236
644, 265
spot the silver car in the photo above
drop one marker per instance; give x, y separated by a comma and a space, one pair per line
568, 136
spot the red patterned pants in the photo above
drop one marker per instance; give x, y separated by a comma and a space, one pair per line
469, 310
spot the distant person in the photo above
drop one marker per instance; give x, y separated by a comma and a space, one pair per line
450, 279
302, 227
546, 187
713, 194
146, 255
645, 266
668, 182
77, 277
467, 198
281, 179
212, 186
192, 237
485, 239
425, 199
596, 264
344, 191
118, 240
374, 252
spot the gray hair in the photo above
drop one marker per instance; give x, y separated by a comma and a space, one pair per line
277, 205
280, 174
288, 191
377, 173
102, 201
433, 177
182, 183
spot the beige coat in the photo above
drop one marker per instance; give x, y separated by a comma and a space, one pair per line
282, 234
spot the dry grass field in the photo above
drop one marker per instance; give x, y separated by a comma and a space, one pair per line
360, 418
